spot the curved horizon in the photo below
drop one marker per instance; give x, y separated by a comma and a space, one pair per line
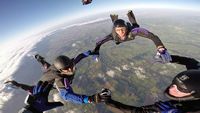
15, 29
12, 55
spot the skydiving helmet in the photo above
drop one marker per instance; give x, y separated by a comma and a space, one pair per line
119, 23
63, 62
187, 82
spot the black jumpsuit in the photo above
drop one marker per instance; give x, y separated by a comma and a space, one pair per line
142, 32
52, 73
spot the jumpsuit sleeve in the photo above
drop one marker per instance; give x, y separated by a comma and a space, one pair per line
147, 34
190, 63
79, 57
25, 87
104, 40
67, 93
43, 62
153, 108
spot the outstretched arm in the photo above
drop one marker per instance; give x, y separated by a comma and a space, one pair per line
99, 43
94, 52
162, 54
66, 92
190, 63
25, 87
19, 85
81, 56
132, 109
42, 61
147, 34
158, 107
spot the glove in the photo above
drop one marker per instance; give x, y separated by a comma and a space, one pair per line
166, 107
12, 84
162, 55
95, 58
103, 96
39, 97
87, 53
39, 58
95, 55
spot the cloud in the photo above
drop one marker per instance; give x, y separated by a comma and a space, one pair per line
11, 57
118, 68
140, 72
171, 64
110, 73
73, 111
87, 22
4, 98
163, 72
74, 44
100, 75
56, 97
132, 64
125, 67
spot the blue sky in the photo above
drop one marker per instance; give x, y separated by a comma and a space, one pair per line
20, 17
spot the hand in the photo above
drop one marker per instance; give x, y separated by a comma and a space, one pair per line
103, 96
38, 99
87, 53
95, 55
167, 107
39, 58
95, 58
162, 55
13, 83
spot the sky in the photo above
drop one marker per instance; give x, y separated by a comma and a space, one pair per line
22, 18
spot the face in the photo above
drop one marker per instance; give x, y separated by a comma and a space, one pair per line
69, 71
121, 32
173, 90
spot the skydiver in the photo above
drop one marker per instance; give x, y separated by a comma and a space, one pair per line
62, 72
85, 2
183, 93
124, 31
63, 67
37, 99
